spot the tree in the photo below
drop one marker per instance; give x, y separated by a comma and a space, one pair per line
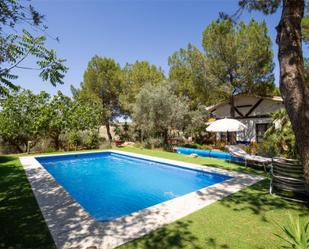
158, 111
16, 47
188, 69
134, 77
197, 123
23, 118
58, 112
293, 87
102, 83
85, 115
239, 57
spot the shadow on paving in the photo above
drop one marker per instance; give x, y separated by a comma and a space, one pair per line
22, 224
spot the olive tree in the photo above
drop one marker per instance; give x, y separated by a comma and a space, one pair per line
158, 111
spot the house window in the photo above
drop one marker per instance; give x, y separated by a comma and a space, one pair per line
260, 130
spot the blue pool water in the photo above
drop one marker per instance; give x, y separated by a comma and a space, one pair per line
109, 185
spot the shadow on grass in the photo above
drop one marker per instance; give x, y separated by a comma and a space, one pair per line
212, 243
22, 224
168, 237
239, 167
258, 200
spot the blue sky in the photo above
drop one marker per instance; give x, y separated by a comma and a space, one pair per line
127, 31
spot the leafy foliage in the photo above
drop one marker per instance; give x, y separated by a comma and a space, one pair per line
239, 57
102, 84
29, 117
15, 48
188, 69
266, 6
134, 77
296, 234
158, 112
22, 118
58, 116
279, 138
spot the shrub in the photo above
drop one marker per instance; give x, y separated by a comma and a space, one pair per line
279, 139
192, 146
206, 147
152, 143
91, 140
74, 139
296, 234
50, 149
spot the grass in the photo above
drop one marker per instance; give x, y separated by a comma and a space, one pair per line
22, 224
246, 219
207, 161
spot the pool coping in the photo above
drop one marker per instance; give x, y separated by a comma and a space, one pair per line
72, 227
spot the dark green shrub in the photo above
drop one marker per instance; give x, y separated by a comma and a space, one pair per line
91, 140
75, 139
50, 149
192, 146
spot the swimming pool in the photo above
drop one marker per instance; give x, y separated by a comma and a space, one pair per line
109, 185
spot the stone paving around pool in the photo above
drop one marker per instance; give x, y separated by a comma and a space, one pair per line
72, 227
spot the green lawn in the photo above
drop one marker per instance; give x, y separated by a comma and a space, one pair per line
244, 220
22, 224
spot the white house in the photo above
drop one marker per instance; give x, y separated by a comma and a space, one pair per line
253, 111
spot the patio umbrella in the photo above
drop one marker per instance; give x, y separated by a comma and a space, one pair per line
226, 125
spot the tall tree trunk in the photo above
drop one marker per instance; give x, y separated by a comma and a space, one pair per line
165, 137
292, 83
17, 146
232, 135
56, 141
108, 131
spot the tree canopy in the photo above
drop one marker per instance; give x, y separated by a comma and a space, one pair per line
102, 83
158, 110
22, 118
26, 116
239, 57
188, 69
134, 77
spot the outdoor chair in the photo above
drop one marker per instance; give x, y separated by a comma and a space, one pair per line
235, 151
287, 175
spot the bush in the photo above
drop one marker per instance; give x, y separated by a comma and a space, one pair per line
91, 140
206, 147
74, 139
50, 149
191, 146
296, 234
152, 143
220, 146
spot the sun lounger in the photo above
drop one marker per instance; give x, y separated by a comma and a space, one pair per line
238, 152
